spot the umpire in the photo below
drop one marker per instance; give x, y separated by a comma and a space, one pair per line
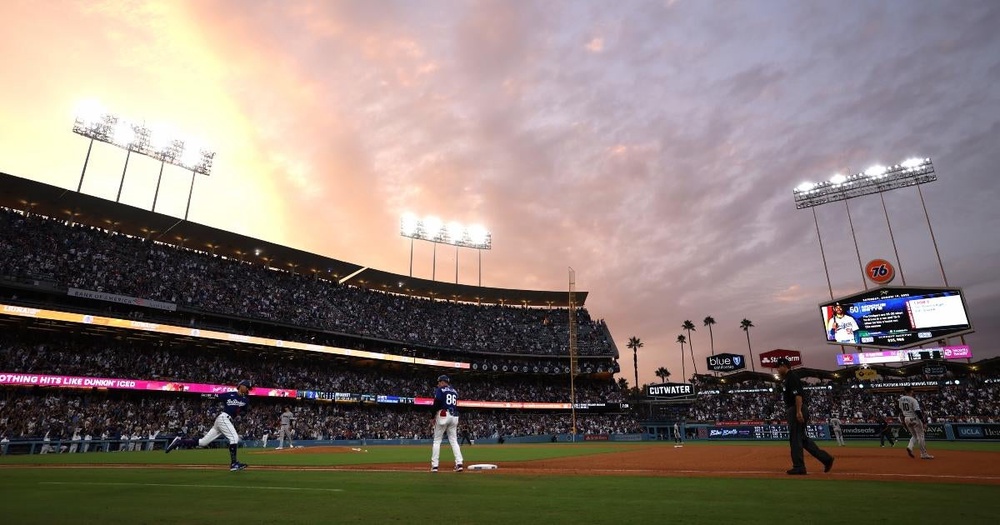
797, 410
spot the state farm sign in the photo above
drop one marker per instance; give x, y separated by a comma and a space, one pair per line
768, 359
726, 362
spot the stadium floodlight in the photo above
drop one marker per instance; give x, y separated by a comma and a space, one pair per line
875, 179
95, 123
435, 230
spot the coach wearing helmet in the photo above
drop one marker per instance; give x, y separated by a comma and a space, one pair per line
445, 420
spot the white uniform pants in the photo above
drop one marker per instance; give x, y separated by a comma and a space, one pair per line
916, 429
839, 434
223, 426
442, 424
283, 434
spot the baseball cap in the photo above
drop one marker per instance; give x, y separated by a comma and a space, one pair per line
783, 361
246, 383
444, 378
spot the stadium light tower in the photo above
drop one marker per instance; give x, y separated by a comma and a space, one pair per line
876, 179
93, 122
435, 230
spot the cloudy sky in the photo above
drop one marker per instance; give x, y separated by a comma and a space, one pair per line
651, 145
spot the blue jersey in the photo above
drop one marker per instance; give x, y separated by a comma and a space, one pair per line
233, 403
446, 398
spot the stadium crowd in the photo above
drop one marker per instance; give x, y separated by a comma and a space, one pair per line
88, 258
132, 416
136, 359
976, 399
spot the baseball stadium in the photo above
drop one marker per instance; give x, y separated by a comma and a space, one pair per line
207, 209
116, 340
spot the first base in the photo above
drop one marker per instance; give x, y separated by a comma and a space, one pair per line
482, 466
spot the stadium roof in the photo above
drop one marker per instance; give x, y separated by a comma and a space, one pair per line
52, 201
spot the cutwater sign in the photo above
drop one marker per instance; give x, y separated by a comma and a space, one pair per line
726, 362
670, 390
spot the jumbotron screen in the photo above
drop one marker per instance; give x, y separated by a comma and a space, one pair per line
896, 317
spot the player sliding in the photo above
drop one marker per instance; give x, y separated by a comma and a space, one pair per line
232, 404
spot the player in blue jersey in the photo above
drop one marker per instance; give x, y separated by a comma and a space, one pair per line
445, 420
233, 403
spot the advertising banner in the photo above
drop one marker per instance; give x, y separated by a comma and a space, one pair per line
903, 356
977, 431
670, 390
726, 362
15, 379
757, 432
768, 359
121, 299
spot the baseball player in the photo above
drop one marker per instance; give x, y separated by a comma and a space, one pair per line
678, 439
445, 420
837, 431
287, 417
232, 404
884, 432
913, 419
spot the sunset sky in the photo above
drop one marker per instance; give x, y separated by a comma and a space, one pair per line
651, 145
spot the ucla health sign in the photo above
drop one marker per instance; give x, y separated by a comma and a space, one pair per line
726, 362
670, 390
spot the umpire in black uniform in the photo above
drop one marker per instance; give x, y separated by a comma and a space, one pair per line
797, 410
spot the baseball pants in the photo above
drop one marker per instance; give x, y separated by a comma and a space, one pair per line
916, 428
283, 434
223, 426
446, 424
799, 440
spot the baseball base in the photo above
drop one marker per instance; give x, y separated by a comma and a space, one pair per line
481, 466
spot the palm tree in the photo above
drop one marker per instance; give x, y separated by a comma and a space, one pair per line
623, 384
746, 325
689, 326
662, 373
709, 321
681, 339
635, 344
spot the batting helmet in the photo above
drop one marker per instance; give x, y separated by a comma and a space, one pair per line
444, 378
246, 383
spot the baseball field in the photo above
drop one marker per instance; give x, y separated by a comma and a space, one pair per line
552, 483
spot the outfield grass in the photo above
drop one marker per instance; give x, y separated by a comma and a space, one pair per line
166, 495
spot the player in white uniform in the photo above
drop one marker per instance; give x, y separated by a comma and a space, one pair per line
841, 327
287, 417
913, 419
678, 439
837, 431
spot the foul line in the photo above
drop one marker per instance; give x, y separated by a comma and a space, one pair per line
181, 485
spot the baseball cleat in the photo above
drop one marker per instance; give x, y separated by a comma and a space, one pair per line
434, 469
278, 448
828, 465
927, 456
173, 444
796, 472
458, 468
910, 452
237, 466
